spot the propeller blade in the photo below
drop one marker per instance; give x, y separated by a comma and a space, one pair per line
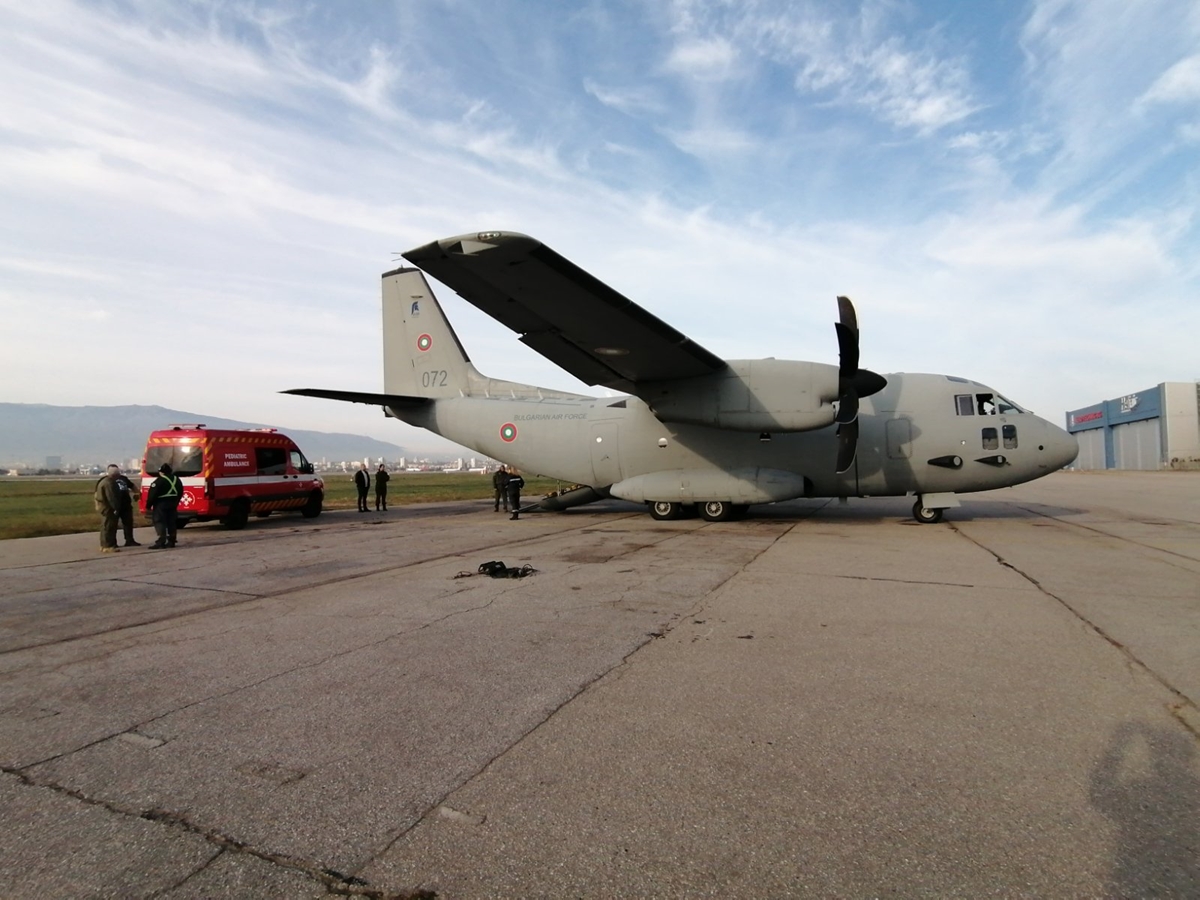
847, 435
847, 350
846, 314
847, 407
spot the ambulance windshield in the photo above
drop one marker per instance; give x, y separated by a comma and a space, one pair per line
185, 459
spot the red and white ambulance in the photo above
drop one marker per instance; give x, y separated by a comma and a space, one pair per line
230, 475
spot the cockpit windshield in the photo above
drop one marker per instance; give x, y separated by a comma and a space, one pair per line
985, 403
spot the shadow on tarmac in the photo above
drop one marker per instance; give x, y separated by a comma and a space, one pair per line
1145, 785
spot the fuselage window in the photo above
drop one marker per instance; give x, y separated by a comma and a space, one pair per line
1010, 437
990, 440
964, 404
986, 404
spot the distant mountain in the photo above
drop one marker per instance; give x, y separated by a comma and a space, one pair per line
29, 432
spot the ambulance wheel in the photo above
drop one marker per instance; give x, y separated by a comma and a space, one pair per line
716, 510
926, 516
261, 515
312, 508
664, 510
239, 514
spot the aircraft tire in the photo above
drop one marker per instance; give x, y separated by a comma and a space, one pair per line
926, 516
715, 510
665, 510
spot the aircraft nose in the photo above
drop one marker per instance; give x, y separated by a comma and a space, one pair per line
1060, 448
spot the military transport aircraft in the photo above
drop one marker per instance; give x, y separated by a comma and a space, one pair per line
695, 432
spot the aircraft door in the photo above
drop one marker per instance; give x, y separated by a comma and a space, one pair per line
606, 456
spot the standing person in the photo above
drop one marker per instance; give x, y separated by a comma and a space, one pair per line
513, 486
362, 481
163, 501
129, 494
381, 479
108, 504
500, 483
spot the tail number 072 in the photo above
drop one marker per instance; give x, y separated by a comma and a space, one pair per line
434, 378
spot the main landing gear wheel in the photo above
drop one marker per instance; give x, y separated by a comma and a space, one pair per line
926, 516
716, 510
663, 510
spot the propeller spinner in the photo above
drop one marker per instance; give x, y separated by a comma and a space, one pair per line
853, 383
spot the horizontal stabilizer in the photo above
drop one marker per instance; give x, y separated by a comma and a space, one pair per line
396, 401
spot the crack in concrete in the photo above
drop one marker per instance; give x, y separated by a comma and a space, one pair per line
1132, 661
1120, 538
334, 882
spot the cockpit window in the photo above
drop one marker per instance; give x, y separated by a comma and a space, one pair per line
964, 404
1007, 407
991, 405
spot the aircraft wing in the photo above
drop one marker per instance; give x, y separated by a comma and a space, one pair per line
562, 312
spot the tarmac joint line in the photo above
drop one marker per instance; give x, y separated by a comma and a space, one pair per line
334, 882
1183, 710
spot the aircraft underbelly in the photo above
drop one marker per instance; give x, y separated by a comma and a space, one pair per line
742, 485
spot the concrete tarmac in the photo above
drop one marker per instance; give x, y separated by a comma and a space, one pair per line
826, 700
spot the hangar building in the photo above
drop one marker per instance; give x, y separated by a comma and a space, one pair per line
1158, 428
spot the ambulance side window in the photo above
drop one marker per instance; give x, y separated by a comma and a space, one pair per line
299, 463
271, 460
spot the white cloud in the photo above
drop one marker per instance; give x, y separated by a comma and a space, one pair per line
637, 100
706, 59
1179, 84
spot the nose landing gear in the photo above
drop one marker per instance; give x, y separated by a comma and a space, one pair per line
925, 515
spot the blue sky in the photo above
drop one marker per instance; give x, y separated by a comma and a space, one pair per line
199, 197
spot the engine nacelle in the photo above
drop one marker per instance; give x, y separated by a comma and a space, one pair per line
768, 395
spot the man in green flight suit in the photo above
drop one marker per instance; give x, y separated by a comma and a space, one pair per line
108, 504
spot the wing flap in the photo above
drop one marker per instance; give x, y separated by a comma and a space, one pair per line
566, 314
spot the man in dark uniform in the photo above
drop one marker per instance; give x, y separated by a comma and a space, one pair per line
362, 481
128, 492
499, 482
381, 480
513, 486
163, 501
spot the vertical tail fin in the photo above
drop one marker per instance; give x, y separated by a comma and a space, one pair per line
421, 353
